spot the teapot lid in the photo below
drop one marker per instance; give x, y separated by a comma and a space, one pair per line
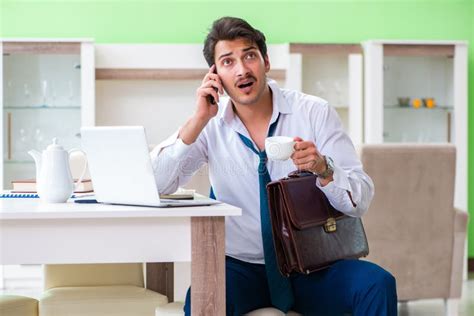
55, 145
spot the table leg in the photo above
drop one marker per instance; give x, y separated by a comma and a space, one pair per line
160, 278
208, 266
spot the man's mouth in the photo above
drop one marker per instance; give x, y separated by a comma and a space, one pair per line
246, 86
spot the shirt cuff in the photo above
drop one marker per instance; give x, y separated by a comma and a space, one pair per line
337, 190
340, 180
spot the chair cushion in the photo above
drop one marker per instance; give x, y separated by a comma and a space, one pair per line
64, 275
171, 309
14, 305
100, 300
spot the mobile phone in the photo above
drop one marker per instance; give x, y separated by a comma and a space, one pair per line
210, 97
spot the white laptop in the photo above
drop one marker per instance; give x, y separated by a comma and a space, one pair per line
121, 169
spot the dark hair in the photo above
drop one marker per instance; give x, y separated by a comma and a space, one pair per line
230, 28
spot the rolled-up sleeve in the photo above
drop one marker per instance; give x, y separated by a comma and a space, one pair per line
174, 162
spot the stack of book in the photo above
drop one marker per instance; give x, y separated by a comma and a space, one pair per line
180, 194
29, 186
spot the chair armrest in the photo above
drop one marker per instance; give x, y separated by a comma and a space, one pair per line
457, 263
460, 220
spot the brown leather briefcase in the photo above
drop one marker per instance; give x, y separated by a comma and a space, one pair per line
308, 233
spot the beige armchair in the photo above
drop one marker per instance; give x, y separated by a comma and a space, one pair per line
15, 305
97, 289
412, 227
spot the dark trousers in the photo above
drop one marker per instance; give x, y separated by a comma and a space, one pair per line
354, 287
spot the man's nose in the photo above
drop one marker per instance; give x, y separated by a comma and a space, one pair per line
242, 70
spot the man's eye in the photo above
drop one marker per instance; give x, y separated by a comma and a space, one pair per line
226, 62
251, 55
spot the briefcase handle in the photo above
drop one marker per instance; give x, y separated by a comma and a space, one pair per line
300, 173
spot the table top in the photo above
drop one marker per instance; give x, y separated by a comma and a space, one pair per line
25, 208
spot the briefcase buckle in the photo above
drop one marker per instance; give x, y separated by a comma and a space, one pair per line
330, 225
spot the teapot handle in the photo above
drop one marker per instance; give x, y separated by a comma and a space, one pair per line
84, 170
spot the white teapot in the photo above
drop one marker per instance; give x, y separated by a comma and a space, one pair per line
54, 181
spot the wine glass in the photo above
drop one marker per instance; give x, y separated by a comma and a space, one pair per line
9, 93
22, 146
38, 137
71, 92
27, 94
53, 92
44, 91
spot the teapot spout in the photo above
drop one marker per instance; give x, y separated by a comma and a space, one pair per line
38, 161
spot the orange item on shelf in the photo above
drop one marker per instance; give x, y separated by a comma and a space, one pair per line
430, 103
416, 103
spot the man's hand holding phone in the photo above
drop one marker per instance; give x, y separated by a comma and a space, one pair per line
208, 95
209, 91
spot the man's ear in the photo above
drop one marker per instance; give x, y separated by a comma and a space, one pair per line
266, 60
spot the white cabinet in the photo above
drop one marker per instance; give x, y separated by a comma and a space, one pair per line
47, 90
332, 72
416, 91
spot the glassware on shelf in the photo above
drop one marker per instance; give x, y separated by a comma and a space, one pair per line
22, 135
38, 138
71, 93
53, 93
27, 94
9, 93
22, 145
44, 91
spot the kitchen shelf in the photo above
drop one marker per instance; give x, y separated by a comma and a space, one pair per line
164, 74
436, 108
323, 49
18, 162
418, 50
45, 47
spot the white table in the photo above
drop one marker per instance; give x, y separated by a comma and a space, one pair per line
32, 232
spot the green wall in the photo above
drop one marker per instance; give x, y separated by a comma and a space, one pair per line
159, 21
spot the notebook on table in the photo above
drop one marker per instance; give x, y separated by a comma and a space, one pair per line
121, 169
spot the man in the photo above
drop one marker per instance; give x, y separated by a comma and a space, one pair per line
229, 135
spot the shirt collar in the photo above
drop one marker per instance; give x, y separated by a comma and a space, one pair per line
280, 105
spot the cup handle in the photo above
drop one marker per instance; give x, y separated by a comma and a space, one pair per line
83, 173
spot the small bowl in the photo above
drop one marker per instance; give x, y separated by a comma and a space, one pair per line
429, 102
403, 101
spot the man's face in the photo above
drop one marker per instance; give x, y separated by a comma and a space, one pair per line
242, 69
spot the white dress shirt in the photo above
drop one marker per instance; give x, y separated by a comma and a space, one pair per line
233, 166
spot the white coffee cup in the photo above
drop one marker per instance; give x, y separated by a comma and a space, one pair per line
279, 147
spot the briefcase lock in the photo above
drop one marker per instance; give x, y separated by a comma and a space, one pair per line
330, 225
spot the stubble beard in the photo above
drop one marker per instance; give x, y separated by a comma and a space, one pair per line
248, 102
